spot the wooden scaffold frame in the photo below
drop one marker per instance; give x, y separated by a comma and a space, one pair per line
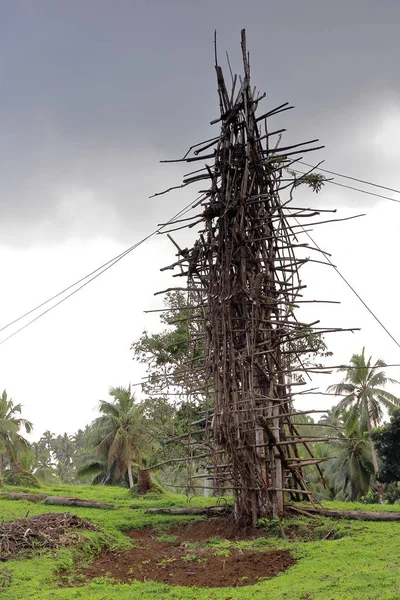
243, 279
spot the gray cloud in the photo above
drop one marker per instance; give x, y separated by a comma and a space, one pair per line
95, 93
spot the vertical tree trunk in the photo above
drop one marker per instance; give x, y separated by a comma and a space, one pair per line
375, 462
1, 469
130, 476
144, 483
208, 486
16, 467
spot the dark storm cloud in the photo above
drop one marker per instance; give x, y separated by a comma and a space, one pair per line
95, 93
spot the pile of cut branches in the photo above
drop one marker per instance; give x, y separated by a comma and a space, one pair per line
42, 531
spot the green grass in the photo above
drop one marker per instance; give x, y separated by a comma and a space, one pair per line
358, 506
363, 563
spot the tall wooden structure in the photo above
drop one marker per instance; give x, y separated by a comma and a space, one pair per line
243, 278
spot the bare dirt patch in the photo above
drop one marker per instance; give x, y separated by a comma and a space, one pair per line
167, 558
222, 527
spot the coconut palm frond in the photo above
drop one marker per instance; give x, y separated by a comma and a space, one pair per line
108, 409
91, 468
11, 441
342, 388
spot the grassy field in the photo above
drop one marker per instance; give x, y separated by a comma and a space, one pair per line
362, 563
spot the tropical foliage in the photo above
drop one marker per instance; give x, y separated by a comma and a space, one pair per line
387, 443
12, 443
121, 441
130, 436
348, 471
364, 396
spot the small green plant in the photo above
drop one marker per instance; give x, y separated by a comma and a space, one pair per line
224, 552
167, 539
314, 180
162, 529
213, 541
165, 562
273, 526
191, 558
262, 541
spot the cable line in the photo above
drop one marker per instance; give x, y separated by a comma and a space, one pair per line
121, 256
349, 187
89, 278
383, 187
66, 289
104, 267
349, 285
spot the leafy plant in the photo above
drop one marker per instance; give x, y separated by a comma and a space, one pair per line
167, 539
22, 479
191, 558
224, 552
165, 562
387, 443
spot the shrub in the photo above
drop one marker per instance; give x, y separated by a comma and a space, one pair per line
23, 479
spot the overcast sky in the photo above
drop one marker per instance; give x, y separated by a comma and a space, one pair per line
95, 93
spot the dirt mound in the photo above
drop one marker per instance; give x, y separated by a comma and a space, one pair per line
166, 558
42, 531
225, 528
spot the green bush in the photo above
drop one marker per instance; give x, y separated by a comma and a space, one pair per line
23, 479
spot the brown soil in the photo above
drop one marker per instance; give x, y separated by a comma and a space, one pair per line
222, 527
175, 563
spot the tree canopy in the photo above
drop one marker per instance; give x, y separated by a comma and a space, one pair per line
364, 396
387, 444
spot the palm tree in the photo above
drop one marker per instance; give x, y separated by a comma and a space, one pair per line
81, 438
120, 437
364, 396
351, 468
44, 467
347, 473
12, 444
64, 452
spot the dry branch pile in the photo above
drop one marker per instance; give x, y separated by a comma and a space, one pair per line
42, 531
